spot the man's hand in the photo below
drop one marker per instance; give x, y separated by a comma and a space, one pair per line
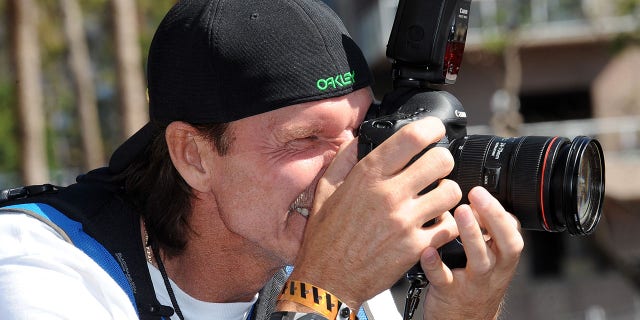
365, 230
476, 291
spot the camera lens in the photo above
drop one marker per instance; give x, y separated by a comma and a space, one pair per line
584, 178
549, 183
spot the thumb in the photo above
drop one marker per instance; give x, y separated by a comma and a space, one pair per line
435, 270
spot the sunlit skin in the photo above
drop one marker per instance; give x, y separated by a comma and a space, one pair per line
244, 197
365, 223
274, 158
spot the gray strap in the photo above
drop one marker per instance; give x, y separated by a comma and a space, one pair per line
269, 296
40, 218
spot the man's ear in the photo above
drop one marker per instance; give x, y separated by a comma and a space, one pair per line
188, 151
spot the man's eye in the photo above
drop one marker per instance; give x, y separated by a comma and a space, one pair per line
302, 143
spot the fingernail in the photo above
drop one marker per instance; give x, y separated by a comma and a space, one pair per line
482, 197
464, 217
431, 256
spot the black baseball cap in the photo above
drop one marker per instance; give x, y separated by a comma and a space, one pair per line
217, 61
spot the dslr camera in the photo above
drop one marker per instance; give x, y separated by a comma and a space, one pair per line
550, 183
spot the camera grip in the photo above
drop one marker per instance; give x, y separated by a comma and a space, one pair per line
400, 108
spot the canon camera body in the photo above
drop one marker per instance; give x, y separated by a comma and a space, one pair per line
549, 183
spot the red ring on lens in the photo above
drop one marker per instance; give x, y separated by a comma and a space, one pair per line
542, 180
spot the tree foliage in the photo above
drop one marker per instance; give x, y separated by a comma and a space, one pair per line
631, 8
8, 145
64, 143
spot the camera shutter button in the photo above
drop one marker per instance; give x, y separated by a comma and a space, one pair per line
382, 124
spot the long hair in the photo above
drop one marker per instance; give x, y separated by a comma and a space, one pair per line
161, 195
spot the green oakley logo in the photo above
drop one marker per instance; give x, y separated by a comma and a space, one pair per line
340, 80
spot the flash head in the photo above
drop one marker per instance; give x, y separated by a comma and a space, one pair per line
427, 41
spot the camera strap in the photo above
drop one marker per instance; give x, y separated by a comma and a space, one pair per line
417, 282
412, 301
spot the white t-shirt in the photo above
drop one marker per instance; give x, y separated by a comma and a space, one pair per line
195, 309
44, 277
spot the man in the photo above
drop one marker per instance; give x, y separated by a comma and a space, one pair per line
249, 165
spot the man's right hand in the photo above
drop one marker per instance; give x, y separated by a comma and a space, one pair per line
366, 229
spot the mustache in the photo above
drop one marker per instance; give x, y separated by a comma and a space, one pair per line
304, 201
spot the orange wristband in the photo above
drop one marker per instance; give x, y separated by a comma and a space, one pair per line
317, 299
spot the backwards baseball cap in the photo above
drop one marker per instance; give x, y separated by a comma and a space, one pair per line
217, 61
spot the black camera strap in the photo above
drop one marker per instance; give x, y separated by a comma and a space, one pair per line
417, 282
412, 301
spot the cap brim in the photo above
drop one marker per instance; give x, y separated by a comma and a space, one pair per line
133, 147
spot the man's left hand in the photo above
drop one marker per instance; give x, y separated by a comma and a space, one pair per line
476, 291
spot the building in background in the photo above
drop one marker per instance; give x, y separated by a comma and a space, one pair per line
575, 75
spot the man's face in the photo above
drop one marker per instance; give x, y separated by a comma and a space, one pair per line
268, 177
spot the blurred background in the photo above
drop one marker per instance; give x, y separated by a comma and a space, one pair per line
72, 88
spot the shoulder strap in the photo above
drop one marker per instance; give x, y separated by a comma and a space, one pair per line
72, 232
93, 208
269, 296
18, 209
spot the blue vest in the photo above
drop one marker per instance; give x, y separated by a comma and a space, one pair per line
86, 213
72, 231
